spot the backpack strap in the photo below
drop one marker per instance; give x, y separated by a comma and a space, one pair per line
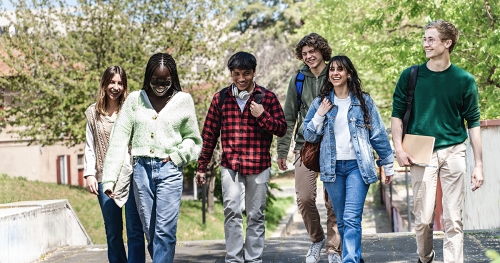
258, 96
222, 98
412, 82
299, 82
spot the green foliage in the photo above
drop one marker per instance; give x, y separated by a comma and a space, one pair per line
59, 53
493, 255
384, 37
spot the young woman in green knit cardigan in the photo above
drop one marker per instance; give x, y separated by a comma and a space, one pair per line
101, 117
160, 122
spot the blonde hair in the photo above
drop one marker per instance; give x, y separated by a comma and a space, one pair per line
446, 30
106, 78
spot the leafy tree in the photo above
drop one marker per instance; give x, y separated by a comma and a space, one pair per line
384, 37
59, 53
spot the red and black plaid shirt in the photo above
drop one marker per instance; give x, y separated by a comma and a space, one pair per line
246, 140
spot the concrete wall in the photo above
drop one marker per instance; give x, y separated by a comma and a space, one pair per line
482, 207
37, 162
30, 229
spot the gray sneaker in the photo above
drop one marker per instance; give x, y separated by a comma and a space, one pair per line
314, 251
334, 258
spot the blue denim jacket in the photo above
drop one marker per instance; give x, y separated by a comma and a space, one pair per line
363, 139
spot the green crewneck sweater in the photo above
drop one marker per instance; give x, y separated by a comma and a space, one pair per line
442, 101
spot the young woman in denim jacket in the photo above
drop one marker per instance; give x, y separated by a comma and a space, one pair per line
349, 128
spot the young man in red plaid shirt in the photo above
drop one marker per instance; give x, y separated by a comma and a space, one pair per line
249, 117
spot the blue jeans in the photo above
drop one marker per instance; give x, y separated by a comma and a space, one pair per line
348, 194
113, 222
158, 192
244, 193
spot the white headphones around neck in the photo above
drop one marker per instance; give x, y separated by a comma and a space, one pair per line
244, 95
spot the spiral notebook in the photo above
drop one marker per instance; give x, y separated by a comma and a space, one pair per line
419, 147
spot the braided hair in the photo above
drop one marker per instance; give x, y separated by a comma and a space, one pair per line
353, 84
161, 59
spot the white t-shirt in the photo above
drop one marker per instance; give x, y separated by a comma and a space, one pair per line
344, 148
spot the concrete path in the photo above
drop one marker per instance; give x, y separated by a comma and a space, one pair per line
378, 247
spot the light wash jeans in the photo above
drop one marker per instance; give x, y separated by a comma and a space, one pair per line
244, 193
158, 196
348, 194
113, 222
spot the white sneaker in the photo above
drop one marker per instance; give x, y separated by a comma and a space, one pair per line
314, 251
334, 258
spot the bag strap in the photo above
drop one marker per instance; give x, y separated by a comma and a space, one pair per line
412, 82
222, 98
299, 83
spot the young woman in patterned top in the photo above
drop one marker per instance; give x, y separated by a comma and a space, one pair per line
100, 119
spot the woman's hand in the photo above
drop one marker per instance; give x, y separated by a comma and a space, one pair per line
324, 107
110, 194
92, 185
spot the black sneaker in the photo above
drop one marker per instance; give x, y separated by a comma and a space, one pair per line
432, 258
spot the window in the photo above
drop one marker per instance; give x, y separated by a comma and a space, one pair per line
80, 159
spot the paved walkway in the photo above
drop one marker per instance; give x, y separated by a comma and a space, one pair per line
378, 247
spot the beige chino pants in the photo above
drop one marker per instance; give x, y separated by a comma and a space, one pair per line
305, 189
450, 163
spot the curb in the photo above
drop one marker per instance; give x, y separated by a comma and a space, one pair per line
286, 223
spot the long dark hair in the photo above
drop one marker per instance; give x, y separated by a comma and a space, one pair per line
353, 84
154, 62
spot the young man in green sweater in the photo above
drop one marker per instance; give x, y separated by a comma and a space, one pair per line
445, 96
313, 50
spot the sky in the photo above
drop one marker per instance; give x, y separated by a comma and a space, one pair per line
8, 5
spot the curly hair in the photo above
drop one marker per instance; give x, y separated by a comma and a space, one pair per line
106, 78
316, 41
446, 30
353, 84
165, 60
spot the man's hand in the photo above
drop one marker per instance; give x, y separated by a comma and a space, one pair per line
477, 178
92, 185
388, 180
282, 164
200, 178
324, 107
256, 109
404, 159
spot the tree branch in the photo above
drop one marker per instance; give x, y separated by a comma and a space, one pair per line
406, 26
490, 16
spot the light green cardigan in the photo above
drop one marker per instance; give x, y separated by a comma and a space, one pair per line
173, 132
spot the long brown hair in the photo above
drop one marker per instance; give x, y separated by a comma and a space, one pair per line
106, 78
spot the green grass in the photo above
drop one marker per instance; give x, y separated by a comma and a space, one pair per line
86, 206
190, 220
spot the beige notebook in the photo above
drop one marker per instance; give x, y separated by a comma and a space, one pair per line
419, 147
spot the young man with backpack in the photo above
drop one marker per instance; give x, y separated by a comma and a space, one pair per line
304, 86
445, 97
246, 116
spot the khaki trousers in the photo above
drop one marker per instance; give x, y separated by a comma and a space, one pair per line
450, 163
305, 189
